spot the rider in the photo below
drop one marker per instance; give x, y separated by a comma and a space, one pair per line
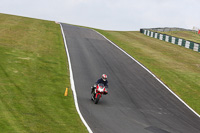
102, 80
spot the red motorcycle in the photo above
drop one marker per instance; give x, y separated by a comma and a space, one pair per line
97, 94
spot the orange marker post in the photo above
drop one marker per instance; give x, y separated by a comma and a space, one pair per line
66, 92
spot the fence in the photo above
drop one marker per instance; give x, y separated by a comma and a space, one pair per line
181, 42
169, 29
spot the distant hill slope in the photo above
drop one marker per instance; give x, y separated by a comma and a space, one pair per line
33, 78
187, 35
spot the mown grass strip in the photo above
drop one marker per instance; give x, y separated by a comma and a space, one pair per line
33, 78
177, 67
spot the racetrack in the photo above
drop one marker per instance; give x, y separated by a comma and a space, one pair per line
136, 103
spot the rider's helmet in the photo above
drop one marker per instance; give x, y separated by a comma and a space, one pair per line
104, 77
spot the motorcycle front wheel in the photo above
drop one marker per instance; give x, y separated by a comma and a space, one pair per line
96, 100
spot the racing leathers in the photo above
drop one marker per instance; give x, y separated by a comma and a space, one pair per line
98, 82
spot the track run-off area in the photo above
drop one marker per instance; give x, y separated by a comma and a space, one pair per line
137, 102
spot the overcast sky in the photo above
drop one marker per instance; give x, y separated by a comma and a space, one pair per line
110, 14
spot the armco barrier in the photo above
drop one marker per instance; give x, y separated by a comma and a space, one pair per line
178, 41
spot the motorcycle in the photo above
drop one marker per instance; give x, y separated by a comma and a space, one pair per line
98, 92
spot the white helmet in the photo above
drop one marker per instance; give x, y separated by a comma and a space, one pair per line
104, 77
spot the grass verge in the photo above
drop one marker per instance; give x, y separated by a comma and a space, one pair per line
33, 77
177, 67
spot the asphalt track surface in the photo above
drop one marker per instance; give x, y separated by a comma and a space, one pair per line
136, 103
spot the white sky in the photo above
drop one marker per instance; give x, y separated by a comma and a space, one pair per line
110, 14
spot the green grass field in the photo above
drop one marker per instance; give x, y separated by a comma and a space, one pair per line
177, 67
33, 78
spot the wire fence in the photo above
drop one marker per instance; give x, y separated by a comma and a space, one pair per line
165, 29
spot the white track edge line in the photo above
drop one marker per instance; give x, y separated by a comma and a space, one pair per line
72, 83
150, 73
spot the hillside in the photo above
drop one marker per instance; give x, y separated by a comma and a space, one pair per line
34, 73
187, 35
33, 78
